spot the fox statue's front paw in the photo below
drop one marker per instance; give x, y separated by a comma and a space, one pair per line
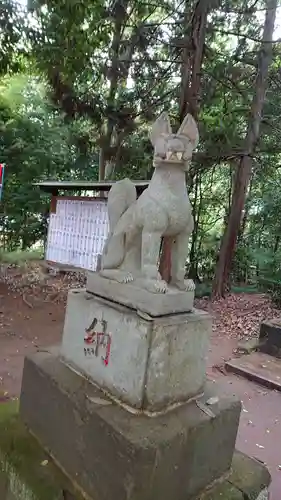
156, 286
185, 285
117, 275
127, 278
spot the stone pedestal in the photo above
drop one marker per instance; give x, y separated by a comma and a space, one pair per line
147, 362
120, 404
270, 337
114, 454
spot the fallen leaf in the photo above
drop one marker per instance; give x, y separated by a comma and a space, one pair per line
212, 401
239, 315
99, 401
220, 367
205, 409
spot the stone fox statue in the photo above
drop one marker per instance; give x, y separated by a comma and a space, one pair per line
136, 226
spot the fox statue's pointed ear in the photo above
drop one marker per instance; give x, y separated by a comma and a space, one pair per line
189, 129
160, 126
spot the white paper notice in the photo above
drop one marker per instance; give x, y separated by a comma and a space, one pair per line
77, 232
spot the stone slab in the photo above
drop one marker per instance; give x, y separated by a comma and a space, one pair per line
249, 476
223, 491
248, 480
113, 454
270, 337
155, 304
152, 363
259, 367
22, 473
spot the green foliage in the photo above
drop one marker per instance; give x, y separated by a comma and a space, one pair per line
20, 257
12, 34
269, 273
35, 145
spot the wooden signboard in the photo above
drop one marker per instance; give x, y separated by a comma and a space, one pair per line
78, 228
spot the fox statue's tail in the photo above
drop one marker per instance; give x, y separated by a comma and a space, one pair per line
120, 197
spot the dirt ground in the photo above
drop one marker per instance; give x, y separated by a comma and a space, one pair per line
34, 320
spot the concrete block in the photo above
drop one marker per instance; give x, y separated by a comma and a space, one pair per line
22, 473
148, 363
270, 337
249, 476
223, 491
258, 367
155, 304
113, 454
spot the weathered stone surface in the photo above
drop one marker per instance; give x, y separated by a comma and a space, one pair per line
153, 362
136, 227
270, 337
259, 367
114, 454
248, 480
26, 471
173, 301
223, 491
264, 495
249, 475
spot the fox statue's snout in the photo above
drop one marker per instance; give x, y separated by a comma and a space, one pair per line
172, 150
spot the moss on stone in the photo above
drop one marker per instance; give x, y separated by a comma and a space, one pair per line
26, 462
249, 475
223, 491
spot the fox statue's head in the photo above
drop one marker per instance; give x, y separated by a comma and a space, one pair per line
173, 149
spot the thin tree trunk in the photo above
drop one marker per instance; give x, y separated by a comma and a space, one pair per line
244, 170
192, 59
190, 85
193, 269
277, 242
120, 18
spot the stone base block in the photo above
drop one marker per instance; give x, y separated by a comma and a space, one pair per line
270, 337
113, 454
26, 470
22, 475
148, 363
155, 304
248, 480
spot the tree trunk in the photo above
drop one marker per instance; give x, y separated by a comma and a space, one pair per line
190, 85
244, 170
114, 77
193, 268
192, 59
276, 244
